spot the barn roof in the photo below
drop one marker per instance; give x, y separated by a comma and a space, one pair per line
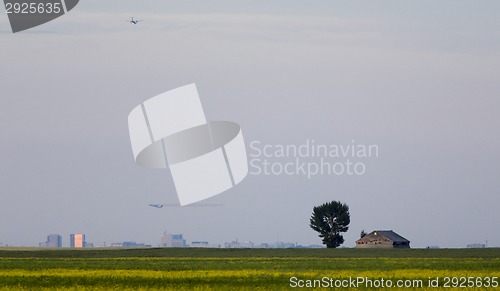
390, 235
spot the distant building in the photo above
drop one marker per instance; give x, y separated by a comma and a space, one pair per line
382, 239
77, 240
203, 244
133, 244
239, 245
172, 240
54, 241
476, 246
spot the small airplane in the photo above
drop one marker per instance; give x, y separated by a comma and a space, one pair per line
133, 20
156, 205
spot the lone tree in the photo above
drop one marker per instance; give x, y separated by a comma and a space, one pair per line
362, 234
331, 219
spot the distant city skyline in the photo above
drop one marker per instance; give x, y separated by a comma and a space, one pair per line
178, 240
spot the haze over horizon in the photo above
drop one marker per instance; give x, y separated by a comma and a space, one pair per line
419, 80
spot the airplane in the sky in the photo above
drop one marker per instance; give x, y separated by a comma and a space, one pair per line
133, 20
156, 205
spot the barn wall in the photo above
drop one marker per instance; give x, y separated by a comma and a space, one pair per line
374, 246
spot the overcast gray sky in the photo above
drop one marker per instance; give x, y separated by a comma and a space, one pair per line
419, 79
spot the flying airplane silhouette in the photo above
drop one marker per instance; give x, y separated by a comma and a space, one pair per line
156, 205
133, 20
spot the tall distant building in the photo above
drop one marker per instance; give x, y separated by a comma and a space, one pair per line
77, 240
54, 241
172, 240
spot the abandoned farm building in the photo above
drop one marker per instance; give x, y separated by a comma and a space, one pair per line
382, 239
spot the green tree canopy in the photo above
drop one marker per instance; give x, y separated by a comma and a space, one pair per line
362, 234
330, 220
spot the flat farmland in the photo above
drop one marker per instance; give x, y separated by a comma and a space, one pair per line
248, 269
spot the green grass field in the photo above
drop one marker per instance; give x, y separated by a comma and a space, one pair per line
240, 269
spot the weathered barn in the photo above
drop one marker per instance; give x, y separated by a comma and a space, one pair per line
382, 239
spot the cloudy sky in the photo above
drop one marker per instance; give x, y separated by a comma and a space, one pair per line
420, 79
